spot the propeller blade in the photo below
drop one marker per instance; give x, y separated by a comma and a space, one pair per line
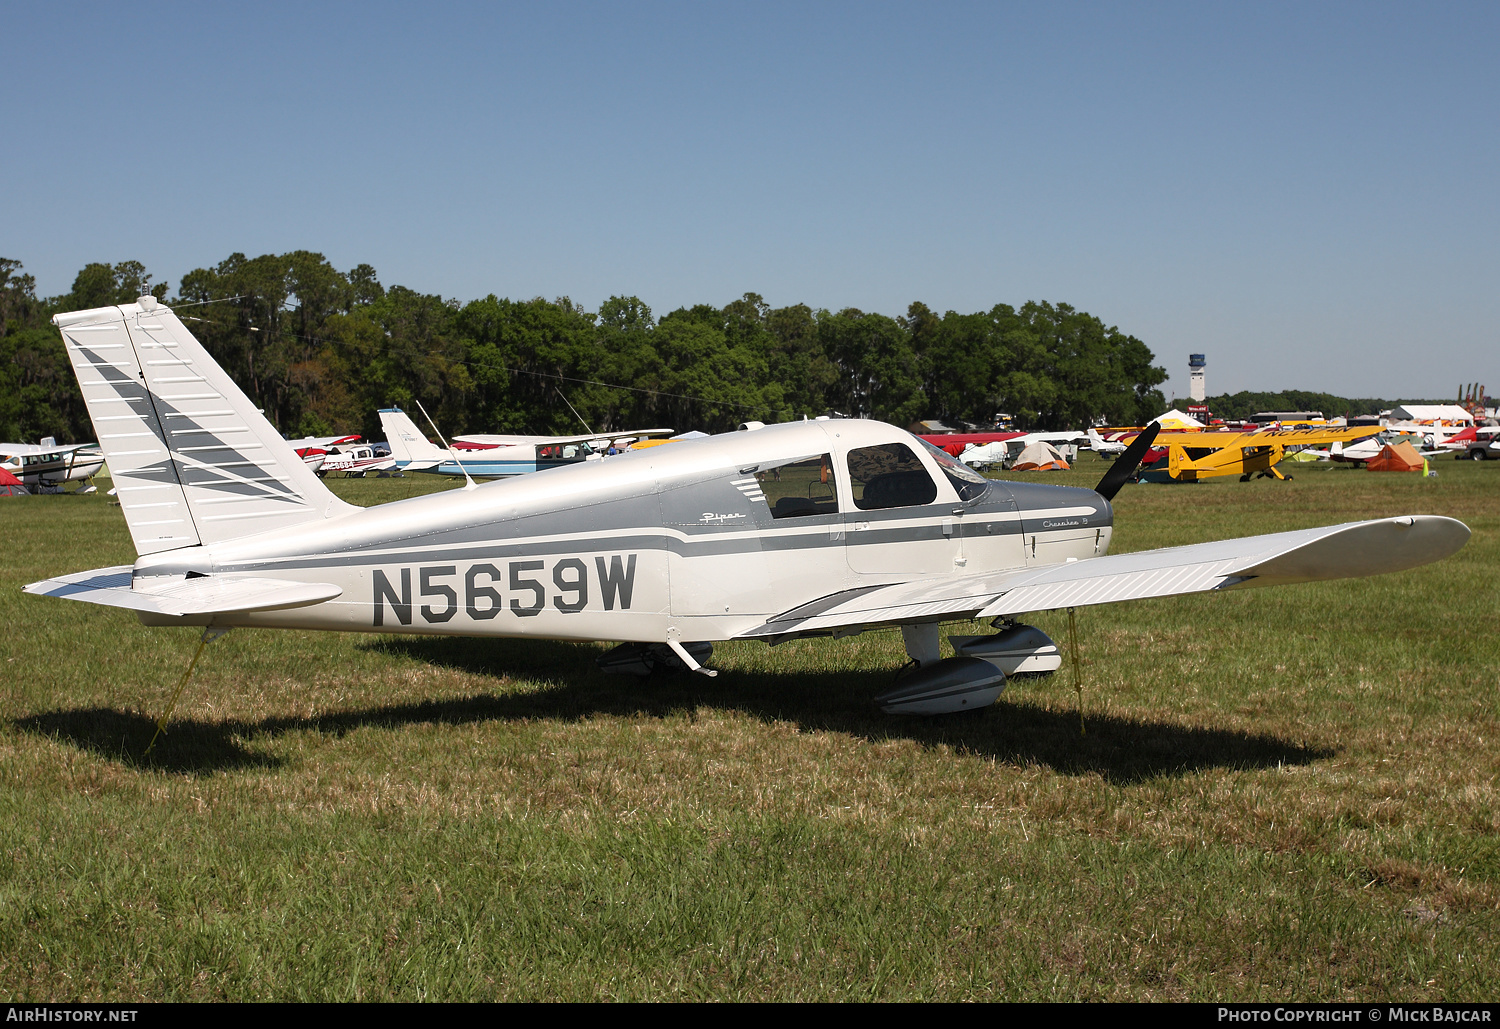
1125, 465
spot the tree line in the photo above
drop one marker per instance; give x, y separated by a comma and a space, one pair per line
320, 350
1240, 406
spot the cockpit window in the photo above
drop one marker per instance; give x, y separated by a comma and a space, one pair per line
800, 487
890, 475
968, 483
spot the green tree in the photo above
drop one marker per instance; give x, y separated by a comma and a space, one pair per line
797, 360
878, 370
18, 303
522, 356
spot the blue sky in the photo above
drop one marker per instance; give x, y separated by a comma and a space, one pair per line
1307, 193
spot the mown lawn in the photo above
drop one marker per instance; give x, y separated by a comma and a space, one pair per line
1280, 794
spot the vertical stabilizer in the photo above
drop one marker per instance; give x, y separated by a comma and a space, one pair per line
409, 447
194, 461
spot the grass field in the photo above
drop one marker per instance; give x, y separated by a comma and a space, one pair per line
1281, 794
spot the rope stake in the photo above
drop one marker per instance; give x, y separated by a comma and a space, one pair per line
209, 635
1077, 668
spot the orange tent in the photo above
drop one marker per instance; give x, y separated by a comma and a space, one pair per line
1398, 458
1039, 457
10, 486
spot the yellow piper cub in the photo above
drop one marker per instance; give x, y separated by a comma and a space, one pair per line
1209, 455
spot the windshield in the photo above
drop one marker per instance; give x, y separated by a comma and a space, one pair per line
969, 483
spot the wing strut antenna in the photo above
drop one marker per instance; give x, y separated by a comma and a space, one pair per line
565, 400
209, 635
468, 482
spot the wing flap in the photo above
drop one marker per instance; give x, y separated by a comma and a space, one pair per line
1105, 587
202, 595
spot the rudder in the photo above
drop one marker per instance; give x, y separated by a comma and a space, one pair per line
409, 447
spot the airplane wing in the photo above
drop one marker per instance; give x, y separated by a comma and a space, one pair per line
207, 594
32, 450
1352, 550
548, 441
323, 441
1313, 435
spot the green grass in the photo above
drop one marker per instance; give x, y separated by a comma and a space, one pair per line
1281, 794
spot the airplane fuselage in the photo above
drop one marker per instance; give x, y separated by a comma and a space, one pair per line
512, 459
699, 541
53, 469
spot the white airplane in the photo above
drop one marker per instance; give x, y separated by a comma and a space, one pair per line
47, 464
314, 450
1104, 447
496, 456
355, 459
822, 528
1005, 451
1366, 449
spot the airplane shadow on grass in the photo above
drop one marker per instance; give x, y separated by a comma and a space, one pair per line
1121, 750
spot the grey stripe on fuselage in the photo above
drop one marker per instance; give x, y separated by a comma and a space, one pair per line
664, 516
577, 530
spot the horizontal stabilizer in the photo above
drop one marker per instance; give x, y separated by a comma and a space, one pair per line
1348, 551
201, 595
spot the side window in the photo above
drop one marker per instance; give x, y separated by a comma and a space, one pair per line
800, 487
889, 475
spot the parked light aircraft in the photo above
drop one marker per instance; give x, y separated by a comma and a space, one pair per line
955, 443
1194, 456
1003, 452
357, 459
803, 529
494, 456
314, 450
1368, 449
1104, 447
47, 464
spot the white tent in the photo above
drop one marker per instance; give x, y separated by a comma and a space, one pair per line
1175, 419
1431, 412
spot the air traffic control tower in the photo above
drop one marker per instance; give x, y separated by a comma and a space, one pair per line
1196, 392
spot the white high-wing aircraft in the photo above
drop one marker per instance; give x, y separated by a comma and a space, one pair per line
1104, 447
1366, 450
494, 456
47, 464
804, 529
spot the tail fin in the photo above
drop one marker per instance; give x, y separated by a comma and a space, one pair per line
409, 447
194, 461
